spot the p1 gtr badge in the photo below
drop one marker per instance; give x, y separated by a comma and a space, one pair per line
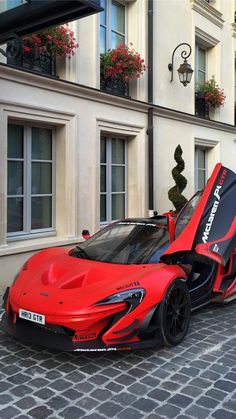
216, 248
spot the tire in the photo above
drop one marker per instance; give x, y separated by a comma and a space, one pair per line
174, 313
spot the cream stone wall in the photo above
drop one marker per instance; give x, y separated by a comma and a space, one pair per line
220, 143
213, 25
172, 25
79, 116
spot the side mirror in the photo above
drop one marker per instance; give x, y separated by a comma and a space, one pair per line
85, 234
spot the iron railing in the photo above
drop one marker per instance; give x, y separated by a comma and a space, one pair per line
41, 62
201, 107
115, 86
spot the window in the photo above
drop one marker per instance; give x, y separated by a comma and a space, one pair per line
42, 62
112, 24
201, 109
113, 179
200, 168
30, 179
14, 3
10, 4
187, 213
201, 65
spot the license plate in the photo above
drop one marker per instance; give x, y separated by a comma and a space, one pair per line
31, 316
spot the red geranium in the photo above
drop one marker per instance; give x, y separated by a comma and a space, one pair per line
214, 96
58, 41
122, 62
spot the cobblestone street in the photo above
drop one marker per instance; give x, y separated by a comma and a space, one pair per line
197, 379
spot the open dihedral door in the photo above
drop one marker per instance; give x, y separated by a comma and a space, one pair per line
212, 229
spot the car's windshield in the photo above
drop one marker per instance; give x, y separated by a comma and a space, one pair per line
126, 242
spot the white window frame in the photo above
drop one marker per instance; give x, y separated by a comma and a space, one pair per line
198, 47
108, 27
196, 168
4, 5
235, 82
109, 165
27, 173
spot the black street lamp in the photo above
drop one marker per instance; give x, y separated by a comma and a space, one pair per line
185, 71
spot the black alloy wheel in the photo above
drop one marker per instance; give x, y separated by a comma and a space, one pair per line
174, 313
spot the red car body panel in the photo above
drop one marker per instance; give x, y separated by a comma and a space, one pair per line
65, 289
99, 305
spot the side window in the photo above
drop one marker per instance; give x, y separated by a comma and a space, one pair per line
113, 179
112, 24
200, 77
11, 4
186, 213
30, 188
201, 65
200, 168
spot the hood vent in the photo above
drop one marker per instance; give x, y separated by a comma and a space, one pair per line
75, 282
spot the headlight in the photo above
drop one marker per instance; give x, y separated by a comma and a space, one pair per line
132, 297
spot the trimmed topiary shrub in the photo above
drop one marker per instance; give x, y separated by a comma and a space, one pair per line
175, 193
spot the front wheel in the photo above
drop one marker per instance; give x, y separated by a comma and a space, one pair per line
174, 313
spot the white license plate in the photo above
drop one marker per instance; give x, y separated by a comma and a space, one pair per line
31, 316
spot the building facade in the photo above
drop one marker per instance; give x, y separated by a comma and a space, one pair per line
75, 156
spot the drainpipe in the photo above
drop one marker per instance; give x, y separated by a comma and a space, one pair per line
150, 101
150, 159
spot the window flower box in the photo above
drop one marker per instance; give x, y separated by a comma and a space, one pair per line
117, 67
214, 96
114, 85
39, 51
201, 107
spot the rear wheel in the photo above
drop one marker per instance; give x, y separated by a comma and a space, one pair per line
174, 313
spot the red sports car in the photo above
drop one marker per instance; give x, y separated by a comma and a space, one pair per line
134, 283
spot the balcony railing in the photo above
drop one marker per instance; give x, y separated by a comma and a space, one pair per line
42, 62
201, 108
115, 86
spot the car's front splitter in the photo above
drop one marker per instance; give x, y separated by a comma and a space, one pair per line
34, 334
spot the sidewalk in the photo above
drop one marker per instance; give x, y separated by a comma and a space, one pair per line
197, 379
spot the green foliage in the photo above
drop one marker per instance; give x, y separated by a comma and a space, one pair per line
175, 193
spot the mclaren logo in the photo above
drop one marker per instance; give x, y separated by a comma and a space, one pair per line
210, 220
214, 209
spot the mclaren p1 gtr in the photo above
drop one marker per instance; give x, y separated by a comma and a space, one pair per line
134, 283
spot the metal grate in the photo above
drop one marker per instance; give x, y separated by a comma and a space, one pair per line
115, 86
42, 62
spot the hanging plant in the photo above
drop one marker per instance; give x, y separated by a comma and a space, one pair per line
122, 63
214, 96
57, 41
